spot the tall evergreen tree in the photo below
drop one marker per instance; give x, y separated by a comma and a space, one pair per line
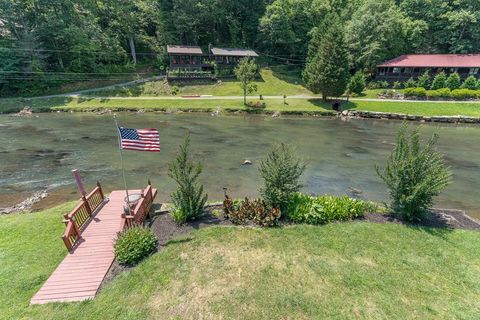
327, 69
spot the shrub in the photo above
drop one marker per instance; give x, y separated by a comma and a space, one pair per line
470, 83
357, 83
135, 244
440, 93
410, 83
189, 199
258, 104
440, 81
462, 94
397, 85
323, 209
256, 211
424, 80
414, 174
281, 172
415, 92
453, 81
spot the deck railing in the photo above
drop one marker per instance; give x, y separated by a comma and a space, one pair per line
80, 215
141, 210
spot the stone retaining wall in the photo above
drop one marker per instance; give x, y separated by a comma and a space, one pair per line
401, 116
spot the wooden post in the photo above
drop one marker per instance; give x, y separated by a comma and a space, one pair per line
87, 205
67, 243
149, 182
100, 190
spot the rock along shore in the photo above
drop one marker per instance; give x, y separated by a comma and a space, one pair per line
408, 117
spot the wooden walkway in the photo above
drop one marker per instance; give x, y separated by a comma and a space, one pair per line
81, 273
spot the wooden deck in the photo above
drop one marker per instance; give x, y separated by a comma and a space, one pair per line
81, 273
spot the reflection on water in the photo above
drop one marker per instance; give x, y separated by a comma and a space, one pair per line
40, 152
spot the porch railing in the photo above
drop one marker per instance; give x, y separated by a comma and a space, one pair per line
141, 210
81, 214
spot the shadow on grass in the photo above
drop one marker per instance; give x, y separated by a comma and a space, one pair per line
37, 104
329, 104
289, 74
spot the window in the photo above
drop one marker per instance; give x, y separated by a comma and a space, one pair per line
381, 71
452, 70
473, 70
396, 70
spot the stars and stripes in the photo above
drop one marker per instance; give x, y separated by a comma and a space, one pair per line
140, 139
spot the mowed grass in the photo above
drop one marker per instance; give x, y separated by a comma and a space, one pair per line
419, 108
276, 81
343, 271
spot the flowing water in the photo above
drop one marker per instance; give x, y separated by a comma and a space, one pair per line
40, 152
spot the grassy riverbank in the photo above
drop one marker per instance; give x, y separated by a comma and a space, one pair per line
231, 105
344, 270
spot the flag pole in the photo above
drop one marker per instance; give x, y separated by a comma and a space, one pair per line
121, 159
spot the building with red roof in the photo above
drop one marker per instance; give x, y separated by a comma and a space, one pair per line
413, 65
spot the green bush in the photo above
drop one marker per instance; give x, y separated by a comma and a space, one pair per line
410, 83
189, 199
453, 81
424, 80
397, 85
418, 92
462, 94
414, 174
357, 83
470, 83
440, 81
323, 209
133, 245
440, 93
281, 172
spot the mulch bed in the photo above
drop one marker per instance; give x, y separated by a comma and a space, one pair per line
440, 218
165, 228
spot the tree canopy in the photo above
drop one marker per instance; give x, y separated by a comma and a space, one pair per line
43, 41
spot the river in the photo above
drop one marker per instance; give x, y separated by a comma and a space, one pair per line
40, 151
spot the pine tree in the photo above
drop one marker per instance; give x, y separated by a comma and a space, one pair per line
453, 81
327, 69
357, 83
424, 80
189, 199
470, 83
440, 81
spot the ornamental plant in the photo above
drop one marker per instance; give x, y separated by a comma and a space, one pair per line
410, 83
189, 199
440, 81
453, 81
470, 83
414, 174
281, 171
326, 208
424, 80
135, 244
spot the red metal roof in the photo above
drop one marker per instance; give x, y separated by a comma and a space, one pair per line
434, 60
191, 50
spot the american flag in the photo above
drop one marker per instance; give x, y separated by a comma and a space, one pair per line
140, 139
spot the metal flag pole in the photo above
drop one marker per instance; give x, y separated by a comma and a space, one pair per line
121, 159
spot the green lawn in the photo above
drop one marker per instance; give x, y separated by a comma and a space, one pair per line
275, 81
208, 105
342, 270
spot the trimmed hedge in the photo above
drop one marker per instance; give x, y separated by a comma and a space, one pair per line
457, 94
